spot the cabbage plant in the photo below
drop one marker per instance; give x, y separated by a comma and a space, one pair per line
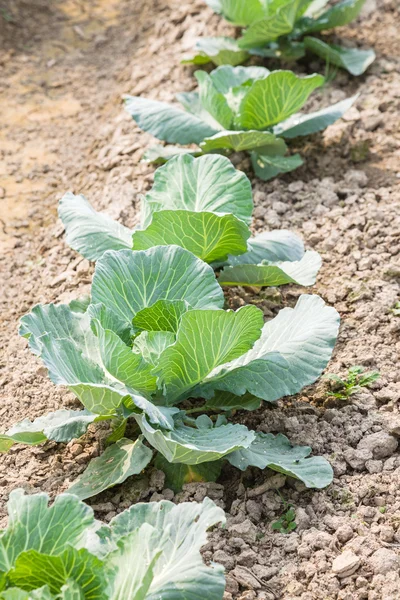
203, 205
154, 347
235, 109
283, 29
147, 552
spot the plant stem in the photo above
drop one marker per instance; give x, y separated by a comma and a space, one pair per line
198, 409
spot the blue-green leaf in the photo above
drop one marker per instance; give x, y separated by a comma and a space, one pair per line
42, 593
148, 552
88, 231
207, 235
151, 344
167, 122
34, 525
266, 167
302, 272
121, 363
208, 183
276, 452
61, 426
271, 27
227, 78
71, 351
302, 124
213, 101
219, 50
68, 347
271, 246
243, 140
33, 570
117, 463
135, 582
126, 281
192, 446
179, 572
355, 61
206, 339
291, 353
164, 315
275, 98
340, 14
239, 12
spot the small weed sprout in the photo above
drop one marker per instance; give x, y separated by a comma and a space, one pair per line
395, 310
286, 522
356, 380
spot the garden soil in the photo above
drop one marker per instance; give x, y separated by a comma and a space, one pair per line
65, 66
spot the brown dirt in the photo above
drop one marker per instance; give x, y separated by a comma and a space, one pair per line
65, 65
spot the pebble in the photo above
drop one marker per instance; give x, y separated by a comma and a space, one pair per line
372, 122
295, 186
383, 561
380, 444
280, 207
61, 278
246, 530
157, 479
103, 507
356, 178
344, 533
346, 564
254, 509
247, 558
225, 559
386, 533
303, 521
374, 466
291, 543
394, 425
356, 458
76, 449
317, 539
246, 579
231, 585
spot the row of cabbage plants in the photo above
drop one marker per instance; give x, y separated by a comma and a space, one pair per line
154, 349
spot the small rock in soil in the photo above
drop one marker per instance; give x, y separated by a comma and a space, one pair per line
346, 564
380, 444
383, 561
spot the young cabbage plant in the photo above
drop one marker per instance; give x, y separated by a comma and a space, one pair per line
147, 552
281, 29
153, 335
235, 109
203, 205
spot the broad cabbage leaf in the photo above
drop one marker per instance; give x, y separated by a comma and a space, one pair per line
90, 232
302, 272
291, 353
147, 552
204, 184
191, 445
206, 339
117, 463
278, 454
90, 353
247, 106
355, 61
166, 122
59, 426
275, 28
219, 50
